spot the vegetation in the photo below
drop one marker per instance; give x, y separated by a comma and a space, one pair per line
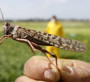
14, 54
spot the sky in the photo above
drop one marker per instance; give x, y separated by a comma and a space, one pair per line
64, 9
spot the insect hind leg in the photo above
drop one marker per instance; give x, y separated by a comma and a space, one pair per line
44, 51
53, 55
28, 43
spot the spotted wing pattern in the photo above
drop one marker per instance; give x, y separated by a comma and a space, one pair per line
63, 43
57, 41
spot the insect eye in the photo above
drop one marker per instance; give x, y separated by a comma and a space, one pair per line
7, 24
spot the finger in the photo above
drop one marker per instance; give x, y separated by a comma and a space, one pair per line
39, 68
74, 70
26, 79
70, 70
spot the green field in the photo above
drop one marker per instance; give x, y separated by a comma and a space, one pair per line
14, 54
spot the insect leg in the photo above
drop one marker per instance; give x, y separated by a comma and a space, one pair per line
44, 51
35, 46
4, 37
2, 41
28, 42
1, 37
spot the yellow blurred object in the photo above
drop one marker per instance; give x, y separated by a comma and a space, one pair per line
54, 28
85, 41
53, 50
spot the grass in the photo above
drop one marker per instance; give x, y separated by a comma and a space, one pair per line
14, 54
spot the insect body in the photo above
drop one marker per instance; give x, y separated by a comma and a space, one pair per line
40, 38
35, 38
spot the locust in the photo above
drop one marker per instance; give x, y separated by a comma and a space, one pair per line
35, 38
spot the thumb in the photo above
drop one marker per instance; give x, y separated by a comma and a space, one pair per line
39, 68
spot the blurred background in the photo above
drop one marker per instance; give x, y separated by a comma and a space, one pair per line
74, 16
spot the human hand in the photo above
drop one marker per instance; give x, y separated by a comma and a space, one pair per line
39, 69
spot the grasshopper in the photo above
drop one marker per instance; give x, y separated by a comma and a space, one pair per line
35, 38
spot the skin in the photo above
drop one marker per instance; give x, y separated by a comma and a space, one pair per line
39, 69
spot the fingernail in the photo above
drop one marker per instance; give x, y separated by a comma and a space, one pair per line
49, 74
52, 74
67, 69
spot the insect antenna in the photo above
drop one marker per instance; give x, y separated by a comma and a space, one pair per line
2, 15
